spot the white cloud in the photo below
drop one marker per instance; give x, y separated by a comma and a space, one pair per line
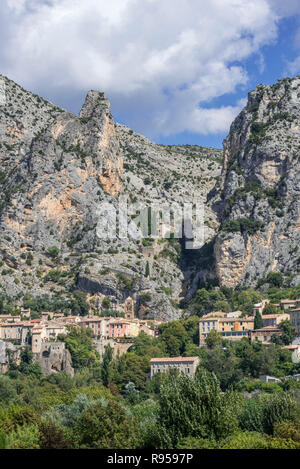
285, 8
294, 66
159, 61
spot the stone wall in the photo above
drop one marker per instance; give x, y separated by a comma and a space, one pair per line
54, 358
8, 352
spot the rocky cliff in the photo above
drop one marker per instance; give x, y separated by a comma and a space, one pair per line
260, 189
57, 170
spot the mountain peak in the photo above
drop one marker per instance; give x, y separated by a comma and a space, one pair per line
95, 103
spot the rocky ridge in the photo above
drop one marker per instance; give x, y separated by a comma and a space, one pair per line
57, 169
260, 189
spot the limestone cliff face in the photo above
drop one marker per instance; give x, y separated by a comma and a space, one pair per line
50, 176
102, 139
260, 186
56, 170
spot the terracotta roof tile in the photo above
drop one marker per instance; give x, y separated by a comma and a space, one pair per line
174, 359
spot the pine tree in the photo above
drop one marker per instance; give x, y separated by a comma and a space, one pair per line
106, 372
147, 273
258, 321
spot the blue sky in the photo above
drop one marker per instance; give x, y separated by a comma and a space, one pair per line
276, 58
177, 71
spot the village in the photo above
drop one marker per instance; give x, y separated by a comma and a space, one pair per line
42, 334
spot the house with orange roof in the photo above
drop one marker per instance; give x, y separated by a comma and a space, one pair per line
187, 365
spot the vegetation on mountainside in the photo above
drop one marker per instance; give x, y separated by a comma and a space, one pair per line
210, 297
110, 404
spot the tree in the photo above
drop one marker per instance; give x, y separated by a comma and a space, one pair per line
26, 437
191, 325
106, 427
147, 273
79, 304
53, 252
145, 345
213, 339
224, 364
79, 343
275, 279
145, 298
52, 437
8, 390
132, 368
107, 368
132, 395
271, 309
288, 332
255, 440
288, 430
202, 300
106, 303
195, 408
246, 299
258, 321
277, 408
174, 335
27, 366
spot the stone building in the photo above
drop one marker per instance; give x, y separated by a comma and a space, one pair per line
9, 318
230, 328
18, 331
26, 313
265, 334
119, 346
187, 365
295, 319
129, 307
290, 304
45, 332
8, 353
99, 325
54, 357
38, 336
259, 307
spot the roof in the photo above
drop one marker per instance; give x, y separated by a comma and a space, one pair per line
55, 326
246, 319
92, 320
289, 301
119, 321
18, 324
174, 359
267, 329
8, 316
227, 319
274, 316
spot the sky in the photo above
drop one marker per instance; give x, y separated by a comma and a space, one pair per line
177, 71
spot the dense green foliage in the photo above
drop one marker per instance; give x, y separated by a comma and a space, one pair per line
171, 411
210, 297
111, 403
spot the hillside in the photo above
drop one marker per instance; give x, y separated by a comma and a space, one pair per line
260, 189
57, 169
